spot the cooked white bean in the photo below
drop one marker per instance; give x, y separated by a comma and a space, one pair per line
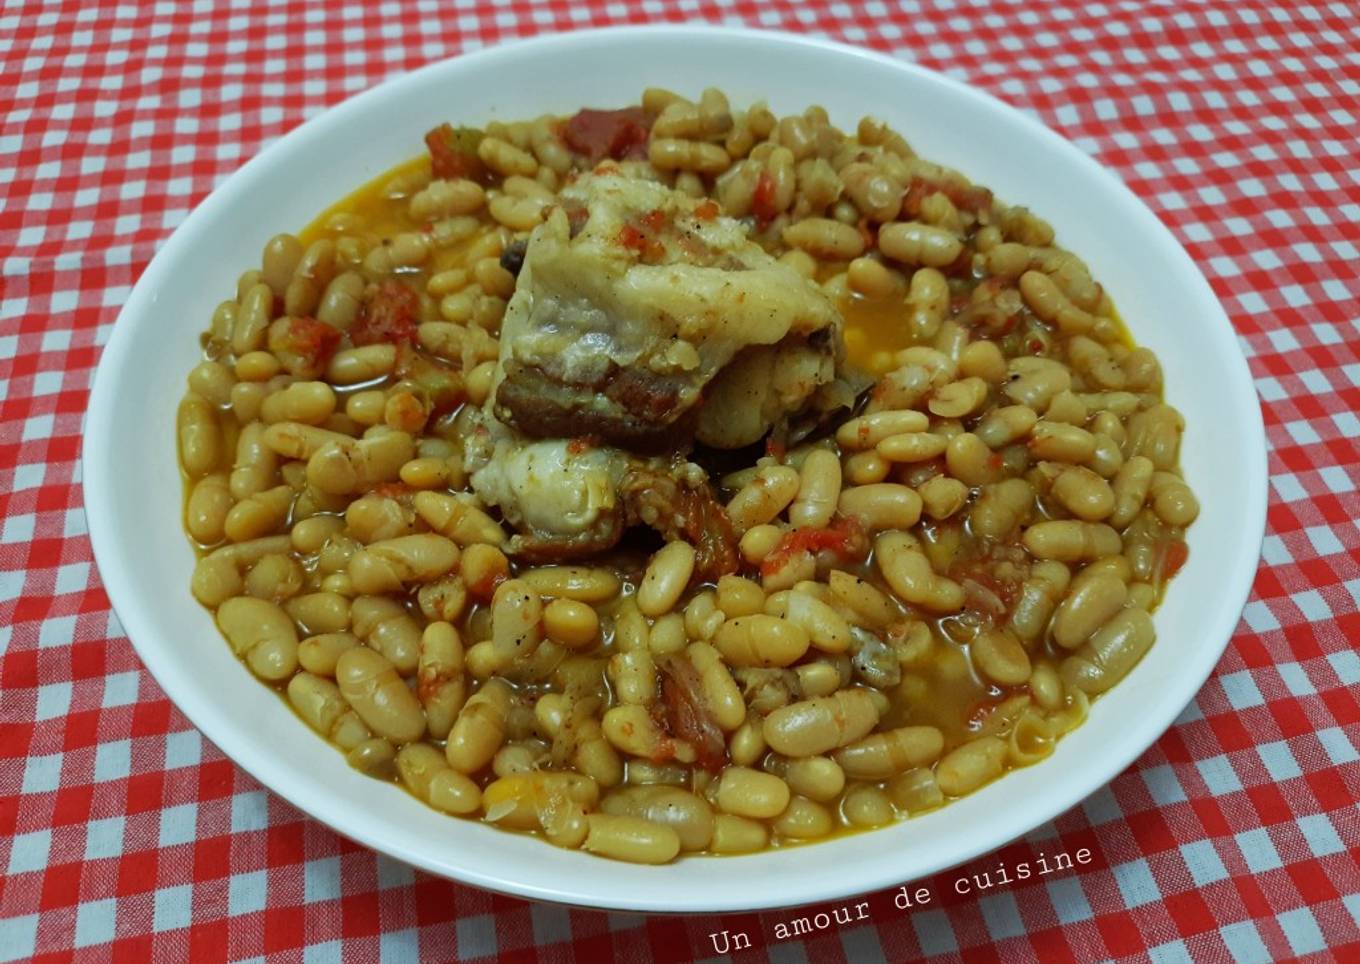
883, 755
761, 640
822, 724
370, 684
665, 580
908, 572
261, 633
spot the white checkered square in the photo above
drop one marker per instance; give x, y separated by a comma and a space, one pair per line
321, 880
57, 631
1244, 943
1163, 785
179, 824
1002, 916
1312, 605
1241, 690
1295, 679
54, 699
1302, 932
1136, 883
1258, 850
120, 689
476, 936
30, 475
402, 945
1288, 486
1101, 807
28, 851
1347, 424
1203, 862
1347, 666
1274, 552
934, 932
551, 923
1324, 540
95, 922
113, 761
393, 873
1172, 952
18, 937
11, 584
246, 893
1069, 900
1320, 832
1218, 775
42, 774
1339, 747
73, 577
173, 908
183, 749
104, 838
249, 811
1279, 760
328, 952
18, 528
1258, 616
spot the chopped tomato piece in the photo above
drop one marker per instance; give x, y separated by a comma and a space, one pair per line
453, 152
961, 266
707, 209
653, 220
844, 538
312, 342
683, 511
640, 236
631, 238
866, 233
389, 316
991, 581
762, 203
1173, 557
916, 192
978, 713
970, 198
608, 133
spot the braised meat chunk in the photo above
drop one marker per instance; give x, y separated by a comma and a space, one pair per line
570, 498
633, 300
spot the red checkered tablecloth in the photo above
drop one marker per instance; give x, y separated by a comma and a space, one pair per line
124, 836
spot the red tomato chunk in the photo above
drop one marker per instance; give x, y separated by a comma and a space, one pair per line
608, 133
389, 316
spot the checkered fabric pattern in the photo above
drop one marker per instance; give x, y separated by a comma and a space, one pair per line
124, 836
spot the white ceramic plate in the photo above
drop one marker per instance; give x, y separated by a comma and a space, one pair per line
132, 487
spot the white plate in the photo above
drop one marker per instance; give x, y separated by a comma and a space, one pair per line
132, 487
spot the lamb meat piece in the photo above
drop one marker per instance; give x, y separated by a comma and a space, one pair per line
625, 318
572, 498
561, 495
632, 403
